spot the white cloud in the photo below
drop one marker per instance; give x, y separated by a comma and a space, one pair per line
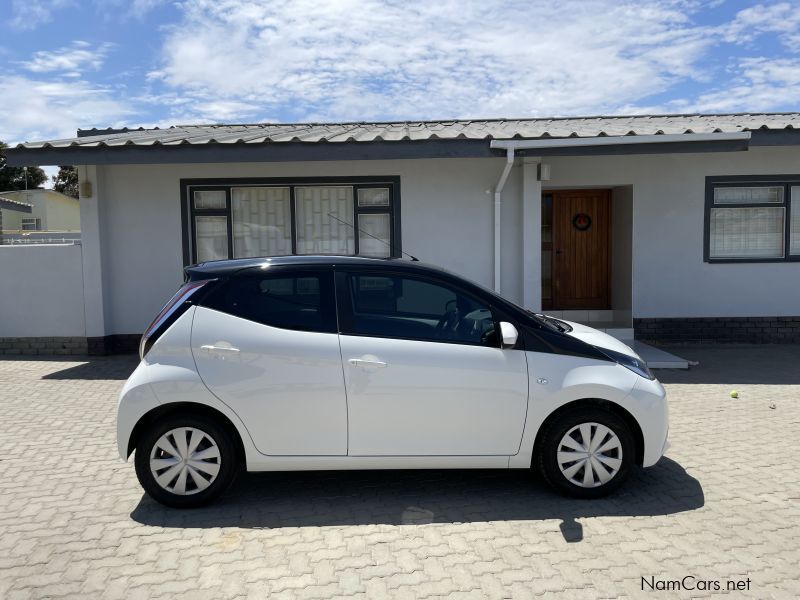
762, 85
69, 61
782, 19
369, 60
29, 14
56, 109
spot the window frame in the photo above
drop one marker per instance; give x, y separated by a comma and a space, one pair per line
37, 223
720, 181
344, 303
189, 212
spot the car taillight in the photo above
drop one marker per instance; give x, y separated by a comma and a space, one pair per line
168, 314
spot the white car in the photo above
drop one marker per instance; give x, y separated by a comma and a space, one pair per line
317, 363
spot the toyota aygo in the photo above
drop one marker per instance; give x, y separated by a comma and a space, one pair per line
321, 362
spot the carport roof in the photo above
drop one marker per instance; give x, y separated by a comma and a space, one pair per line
431, 138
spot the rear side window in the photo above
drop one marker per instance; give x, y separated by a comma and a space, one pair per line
301, 301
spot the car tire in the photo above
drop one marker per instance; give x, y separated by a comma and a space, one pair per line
564, 456
186, 461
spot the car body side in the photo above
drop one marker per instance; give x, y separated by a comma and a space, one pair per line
168, 378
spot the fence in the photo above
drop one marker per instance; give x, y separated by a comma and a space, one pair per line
9, 238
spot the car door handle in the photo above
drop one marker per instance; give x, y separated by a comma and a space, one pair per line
363, 362
213, 348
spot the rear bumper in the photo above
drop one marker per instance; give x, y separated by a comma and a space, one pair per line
136, 399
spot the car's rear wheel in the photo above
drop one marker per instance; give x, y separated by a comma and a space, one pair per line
586, 453
185, 461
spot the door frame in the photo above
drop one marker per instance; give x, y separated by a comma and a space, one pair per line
552, 303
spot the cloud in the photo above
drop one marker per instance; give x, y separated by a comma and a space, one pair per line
371, 60
762, 84
782, 19
29, 14
69, 61
56, 109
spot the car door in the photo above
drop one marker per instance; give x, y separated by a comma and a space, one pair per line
424, 371
266, 344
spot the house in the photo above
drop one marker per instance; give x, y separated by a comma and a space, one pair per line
9, 207
46, 210
670, 227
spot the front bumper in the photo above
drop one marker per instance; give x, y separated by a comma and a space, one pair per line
650, 400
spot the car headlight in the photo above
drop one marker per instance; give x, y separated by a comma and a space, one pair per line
637, 365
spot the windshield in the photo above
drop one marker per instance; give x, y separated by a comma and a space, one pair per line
550, 322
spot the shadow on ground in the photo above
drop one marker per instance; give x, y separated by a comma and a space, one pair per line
328, 498
766, 364
117, 367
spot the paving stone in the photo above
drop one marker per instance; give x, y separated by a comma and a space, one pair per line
723, 505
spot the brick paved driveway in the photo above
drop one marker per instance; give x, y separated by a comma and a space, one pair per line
725, 504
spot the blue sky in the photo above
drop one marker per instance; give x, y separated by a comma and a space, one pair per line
67, 64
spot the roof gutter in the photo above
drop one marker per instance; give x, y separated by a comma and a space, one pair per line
619, 140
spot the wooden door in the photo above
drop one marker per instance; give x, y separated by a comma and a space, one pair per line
581, 249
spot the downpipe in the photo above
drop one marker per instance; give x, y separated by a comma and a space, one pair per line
498, 193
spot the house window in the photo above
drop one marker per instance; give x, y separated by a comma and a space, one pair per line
31, 224
751, 219
274, 217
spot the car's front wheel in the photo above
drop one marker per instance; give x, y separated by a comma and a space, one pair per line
586, 453
185, 461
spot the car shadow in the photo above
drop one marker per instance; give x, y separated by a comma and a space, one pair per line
90, 368
336, 498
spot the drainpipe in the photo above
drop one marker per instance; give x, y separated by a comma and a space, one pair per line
498, 193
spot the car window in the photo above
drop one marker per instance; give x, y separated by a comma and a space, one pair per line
302, 301
410, 308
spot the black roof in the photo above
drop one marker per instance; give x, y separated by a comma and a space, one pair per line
229, 267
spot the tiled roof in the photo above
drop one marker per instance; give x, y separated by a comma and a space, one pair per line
485, 129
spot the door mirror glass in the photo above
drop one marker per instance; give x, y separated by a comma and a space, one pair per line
509, 334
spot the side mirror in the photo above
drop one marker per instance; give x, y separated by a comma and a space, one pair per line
508, 334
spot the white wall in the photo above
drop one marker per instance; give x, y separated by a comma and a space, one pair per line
42, 291
670, 278
446, 219
61, 213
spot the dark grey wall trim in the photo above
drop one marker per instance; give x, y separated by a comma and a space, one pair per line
320, 151
269, 152
712, 330
775, 137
